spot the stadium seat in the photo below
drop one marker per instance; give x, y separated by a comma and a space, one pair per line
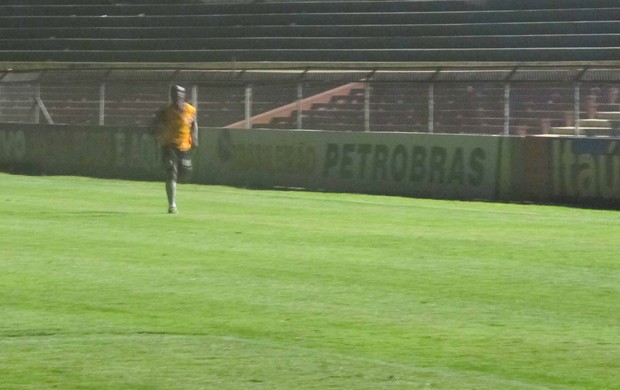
302, 31
317, 31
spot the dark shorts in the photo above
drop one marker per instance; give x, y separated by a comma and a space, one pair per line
178, 164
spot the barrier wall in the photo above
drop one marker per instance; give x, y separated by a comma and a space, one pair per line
573, 170
582, 171
453, 167
100, 151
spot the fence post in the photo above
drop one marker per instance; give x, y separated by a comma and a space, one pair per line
248, 107
431, 108
195, 96
43, 109
300, 96
102, 103
367, 106
577, 104
40, 106
506, 108
37, 97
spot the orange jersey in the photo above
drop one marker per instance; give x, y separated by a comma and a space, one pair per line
175, 127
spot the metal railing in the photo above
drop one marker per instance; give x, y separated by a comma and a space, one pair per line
578, 100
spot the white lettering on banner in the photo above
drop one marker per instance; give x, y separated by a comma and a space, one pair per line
293, 159
148, 150
577, 173
119, 142
13, 145
141, 151
134, 150
92, 148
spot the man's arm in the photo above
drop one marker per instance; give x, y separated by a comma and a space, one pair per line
194, 133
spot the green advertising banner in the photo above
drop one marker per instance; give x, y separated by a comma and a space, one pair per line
424, 165
585, 169
125, 153
581, 171
575, 170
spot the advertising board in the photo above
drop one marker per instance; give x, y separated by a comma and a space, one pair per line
424, 165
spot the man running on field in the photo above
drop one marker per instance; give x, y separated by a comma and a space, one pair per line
176, 130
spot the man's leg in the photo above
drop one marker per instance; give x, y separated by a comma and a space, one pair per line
171, 192
171, 180
185, 167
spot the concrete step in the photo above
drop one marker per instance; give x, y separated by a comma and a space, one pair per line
587, 131
594, 123
609, 115
562, 130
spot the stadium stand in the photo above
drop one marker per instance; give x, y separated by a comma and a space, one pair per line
309, 31
437, 33
457, 100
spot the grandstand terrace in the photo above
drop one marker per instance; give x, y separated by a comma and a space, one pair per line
434, 65
309, 31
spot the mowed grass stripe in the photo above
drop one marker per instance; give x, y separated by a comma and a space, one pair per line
188, 350
277, 290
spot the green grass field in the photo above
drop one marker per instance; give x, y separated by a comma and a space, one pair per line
101, 289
